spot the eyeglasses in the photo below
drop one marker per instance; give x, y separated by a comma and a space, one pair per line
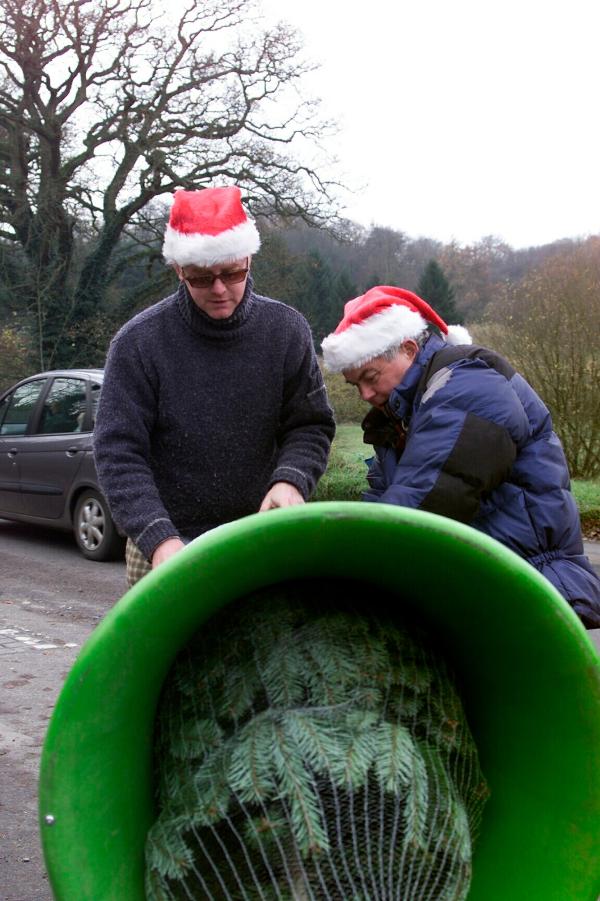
228, 277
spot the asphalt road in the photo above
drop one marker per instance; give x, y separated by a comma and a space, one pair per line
51, 598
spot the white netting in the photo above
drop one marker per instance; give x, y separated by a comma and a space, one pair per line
312, 750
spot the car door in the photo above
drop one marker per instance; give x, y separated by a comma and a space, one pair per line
50, 457
16, 413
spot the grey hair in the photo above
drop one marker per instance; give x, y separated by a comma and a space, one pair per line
393, 351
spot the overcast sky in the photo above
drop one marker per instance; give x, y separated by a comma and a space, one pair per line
462, 118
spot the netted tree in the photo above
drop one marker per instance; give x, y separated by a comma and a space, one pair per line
105, 106
548, 325
308, 746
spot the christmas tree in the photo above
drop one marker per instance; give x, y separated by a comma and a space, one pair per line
312, 749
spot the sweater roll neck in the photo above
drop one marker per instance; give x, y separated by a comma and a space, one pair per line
220, 329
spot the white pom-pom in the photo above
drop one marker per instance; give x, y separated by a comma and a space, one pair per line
457, 334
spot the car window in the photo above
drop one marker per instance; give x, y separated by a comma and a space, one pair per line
64, 407
95, 394
20, 406
3, 408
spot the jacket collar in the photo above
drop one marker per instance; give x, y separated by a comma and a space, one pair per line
401, 400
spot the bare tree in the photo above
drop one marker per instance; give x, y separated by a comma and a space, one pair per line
104, 108
476, 271
548, 324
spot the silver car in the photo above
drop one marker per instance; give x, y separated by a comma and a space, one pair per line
47, 472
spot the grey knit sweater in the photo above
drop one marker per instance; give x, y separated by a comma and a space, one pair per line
199, 417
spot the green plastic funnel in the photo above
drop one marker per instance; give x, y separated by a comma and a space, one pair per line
530, 678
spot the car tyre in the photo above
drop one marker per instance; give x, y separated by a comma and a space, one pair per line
95, 532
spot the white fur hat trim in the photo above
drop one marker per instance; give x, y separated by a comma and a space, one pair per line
208, 250
457, 334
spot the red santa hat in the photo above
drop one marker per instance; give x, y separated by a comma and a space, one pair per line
208, 227
375, 322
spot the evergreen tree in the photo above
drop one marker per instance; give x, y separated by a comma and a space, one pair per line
435, 288
315, 295
310, 751
344, 289
275, 269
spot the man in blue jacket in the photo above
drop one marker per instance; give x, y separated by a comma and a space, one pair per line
458, 432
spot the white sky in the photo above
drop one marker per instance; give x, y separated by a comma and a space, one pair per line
462, 118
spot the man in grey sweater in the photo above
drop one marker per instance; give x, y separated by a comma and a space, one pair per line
213, 405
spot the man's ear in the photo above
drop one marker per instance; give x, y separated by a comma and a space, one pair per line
410, 348
178, 271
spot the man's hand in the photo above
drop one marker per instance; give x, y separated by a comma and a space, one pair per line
165, 550
281, 494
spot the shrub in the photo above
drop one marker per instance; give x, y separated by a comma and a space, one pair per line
587, 495
344, 398
14, 357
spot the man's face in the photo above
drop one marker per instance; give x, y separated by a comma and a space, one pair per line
376, 379
216, 290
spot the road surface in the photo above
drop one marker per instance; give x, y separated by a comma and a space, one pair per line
51, 598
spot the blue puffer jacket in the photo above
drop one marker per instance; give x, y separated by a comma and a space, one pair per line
467, 437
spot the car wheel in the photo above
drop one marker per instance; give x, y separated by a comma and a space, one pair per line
95, 532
